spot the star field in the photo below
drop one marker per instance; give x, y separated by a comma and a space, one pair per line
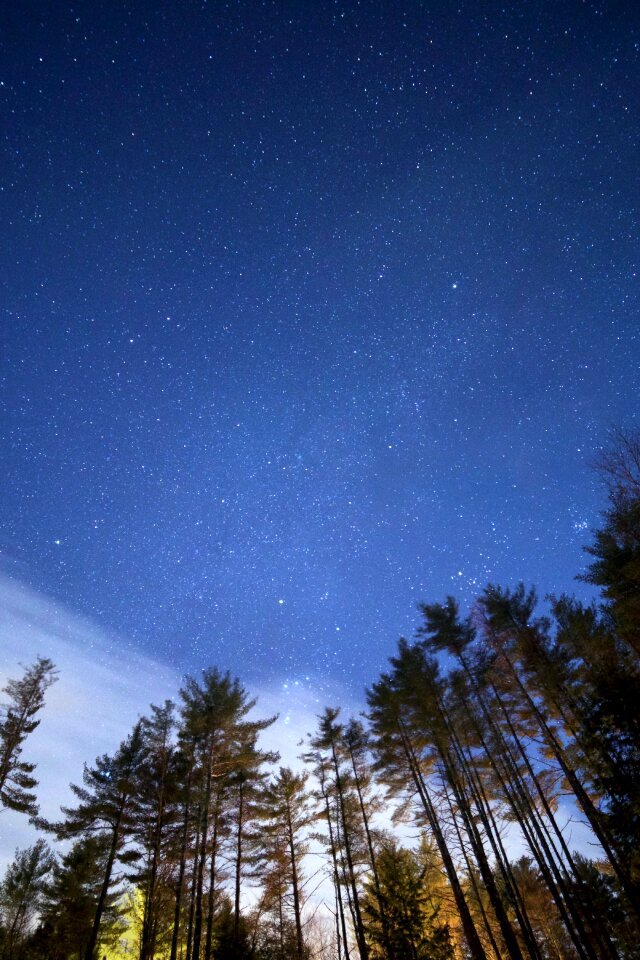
312, 311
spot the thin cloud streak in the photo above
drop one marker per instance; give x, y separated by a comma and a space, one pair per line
103, 687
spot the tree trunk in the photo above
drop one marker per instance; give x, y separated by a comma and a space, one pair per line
212, 878
236, 911
471, 934
360, 937
296, 892
95, 928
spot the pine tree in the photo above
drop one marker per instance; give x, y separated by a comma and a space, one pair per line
616, 551
286, 816
405, 757
154, 823
328, 741
409, 891
222, 744
503, 768
17, 721
21, 895
107, 807
507, 621
70, 899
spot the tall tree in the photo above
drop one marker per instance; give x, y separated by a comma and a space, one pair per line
246, 794
616, 551
70, 901
223, 742
320, 768
21, 895
329, 741
509, 627
409, 888
154, 821
405, 756
423, 690
357, 747
287, 816
503, 769
17, 721
107, 807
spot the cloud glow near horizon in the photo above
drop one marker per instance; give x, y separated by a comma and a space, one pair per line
102, 688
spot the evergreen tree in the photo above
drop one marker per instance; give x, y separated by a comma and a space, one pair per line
328, 741
506, 773
357, 747
424, 692
21, 896
17, 721
107, 807
70, 899
405, 756
616, 551
287, 816
246, 796
412, 928
222, 743
153, 827
517, 637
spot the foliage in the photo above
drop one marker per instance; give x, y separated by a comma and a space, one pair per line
17, 721
412, 899
22, 896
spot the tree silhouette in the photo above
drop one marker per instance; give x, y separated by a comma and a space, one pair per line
17, 721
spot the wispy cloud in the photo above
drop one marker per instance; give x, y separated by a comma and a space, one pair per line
102, 688
104, 685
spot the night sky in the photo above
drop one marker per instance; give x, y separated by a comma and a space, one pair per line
310, 311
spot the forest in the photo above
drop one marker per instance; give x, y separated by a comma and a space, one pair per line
437, 826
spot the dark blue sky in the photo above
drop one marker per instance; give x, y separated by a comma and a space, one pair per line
311, 311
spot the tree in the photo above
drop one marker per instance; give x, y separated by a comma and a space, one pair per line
222, 745
320, 769
17, 721
153, 821
406, 756
287, 815
70, 900
519, 640
107, 808
21, 895
357, 746
616, 551
328, 742
247, 784
410, 927
506, 770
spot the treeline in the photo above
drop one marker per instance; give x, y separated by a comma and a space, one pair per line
436, 827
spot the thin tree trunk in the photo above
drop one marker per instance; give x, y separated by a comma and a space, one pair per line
477, 846
146, 944
295, 889
102, 899
590, 811
372, 857
192, 892
181, 871
202, 857
212, 878
336, 875
359, 926
564, 900
473, 880
580, 915
236, 913
468, 926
